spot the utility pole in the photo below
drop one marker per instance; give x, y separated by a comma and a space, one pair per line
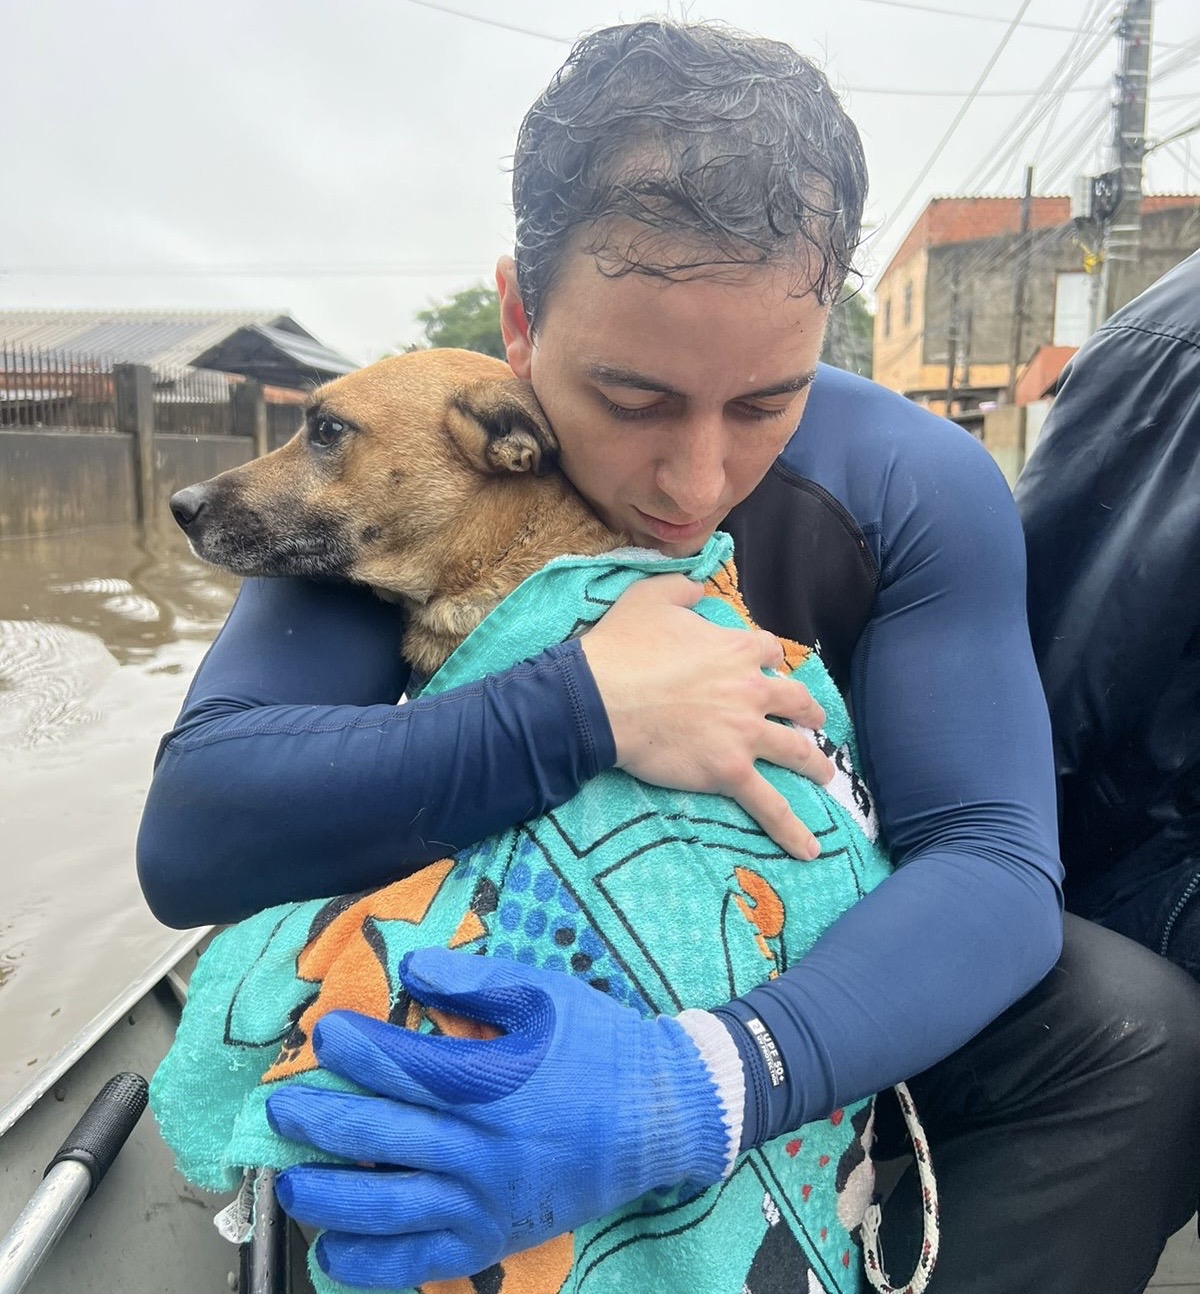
964, 347
1018, 314
952, 342
1122, 232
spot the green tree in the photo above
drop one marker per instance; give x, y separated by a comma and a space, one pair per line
470, 320
850, 336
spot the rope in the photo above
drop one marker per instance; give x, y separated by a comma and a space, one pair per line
930, 1235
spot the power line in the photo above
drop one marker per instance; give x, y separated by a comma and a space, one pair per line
891, 4
1074, 151
1052, 241
493, 22
958, 13
1179, 134
1183, 160
1174, 116
1055, 98
1067, 153
899, 91
983, 17
958, 94
1076, 142
958, 116
1045, 102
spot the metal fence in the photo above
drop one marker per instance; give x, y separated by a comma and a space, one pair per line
60, 389
52, 389
193, 402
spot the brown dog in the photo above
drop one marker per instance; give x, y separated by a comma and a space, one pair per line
429, 477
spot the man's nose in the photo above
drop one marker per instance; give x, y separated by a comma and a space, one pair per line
691, 472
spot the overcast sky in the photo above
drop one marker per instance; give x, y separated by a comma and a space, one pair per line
347, 161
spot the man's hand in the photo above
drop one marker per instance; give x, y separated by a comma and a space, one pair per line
691, 708
487, 1147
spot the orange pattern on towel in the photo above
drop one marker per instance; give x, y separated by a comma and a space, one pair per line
346, 967
723, 584
764, 911
532, 1271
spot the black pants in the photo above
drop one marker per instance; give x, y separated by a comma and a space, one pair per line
1066, 1136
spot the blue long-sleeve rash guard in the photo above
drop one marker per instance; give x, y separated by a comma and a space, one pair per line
883, 533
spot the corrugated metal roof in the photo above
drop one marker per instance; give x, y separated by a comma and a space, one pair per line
164, 339
276, 356
307, 350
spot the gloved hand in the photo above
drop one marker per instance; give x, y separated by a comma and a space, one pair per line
488, 1147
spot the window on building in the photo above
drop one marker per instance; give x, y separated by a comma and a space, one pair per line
887, 318
907, 304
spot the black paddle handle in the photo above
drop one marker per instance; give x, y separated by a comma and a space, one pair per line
104, 1126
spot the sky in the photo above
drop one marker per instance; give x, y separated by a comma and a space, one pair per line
347, 162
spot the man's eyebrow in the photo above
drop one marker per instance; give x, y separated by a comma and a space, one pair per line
607, 375
788, 387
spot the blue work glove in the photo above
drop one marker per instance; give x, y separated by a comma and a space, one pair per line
488, 1147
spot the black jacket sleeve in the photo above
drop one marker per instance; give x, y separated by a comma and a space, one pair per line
1110, 504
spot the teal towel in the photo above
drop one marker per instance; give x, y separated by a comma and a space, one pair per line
663, 899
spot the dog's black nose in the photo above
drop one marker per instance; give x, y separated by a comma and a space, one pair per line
187, 504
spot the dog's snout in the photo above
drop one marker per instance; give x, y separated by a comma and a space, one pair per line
187, 504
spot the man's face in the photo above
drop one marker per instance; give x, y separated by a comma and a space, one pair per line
670, 398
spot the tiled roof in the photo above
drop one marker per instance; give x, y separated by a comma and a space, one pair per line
1042, 372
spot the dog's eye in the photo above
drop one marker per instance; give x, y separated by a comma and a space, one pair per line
325, 430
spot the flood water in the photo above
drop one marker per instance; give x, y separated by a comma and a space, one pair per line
100, 633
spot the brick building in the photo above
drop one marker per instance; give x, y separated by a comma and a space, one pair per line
945, 304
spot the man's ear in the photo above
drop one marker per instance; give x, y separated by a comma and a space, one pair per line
501, 428
514, 326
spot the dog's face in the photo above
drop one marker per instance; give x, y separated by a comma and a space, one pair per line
385, 478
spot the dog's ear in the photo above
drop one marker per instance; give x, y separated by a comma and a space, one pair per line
501, 427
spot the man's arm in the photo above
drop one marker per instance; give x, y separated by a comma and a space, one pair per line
292, 773
955, 743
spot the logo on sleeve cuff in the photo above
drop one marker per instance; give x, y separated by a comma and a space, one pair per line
768, 1050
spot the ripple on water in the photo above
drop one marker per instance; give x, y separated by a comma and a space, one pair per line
107, 586
47, 674
119, 597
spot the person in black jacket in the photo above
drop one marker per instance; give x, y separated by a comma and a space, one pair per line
1110, 504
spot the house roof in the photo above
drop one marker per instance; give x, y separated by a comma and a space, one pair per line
964, 220
1042, 373
276, 355
172, 339
160, 338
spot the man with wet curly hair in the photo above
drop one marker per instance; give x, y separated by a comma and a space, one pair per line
688, 205
712, 151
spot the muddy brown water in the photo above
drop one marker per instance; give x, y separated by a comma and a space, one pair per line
100, 633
